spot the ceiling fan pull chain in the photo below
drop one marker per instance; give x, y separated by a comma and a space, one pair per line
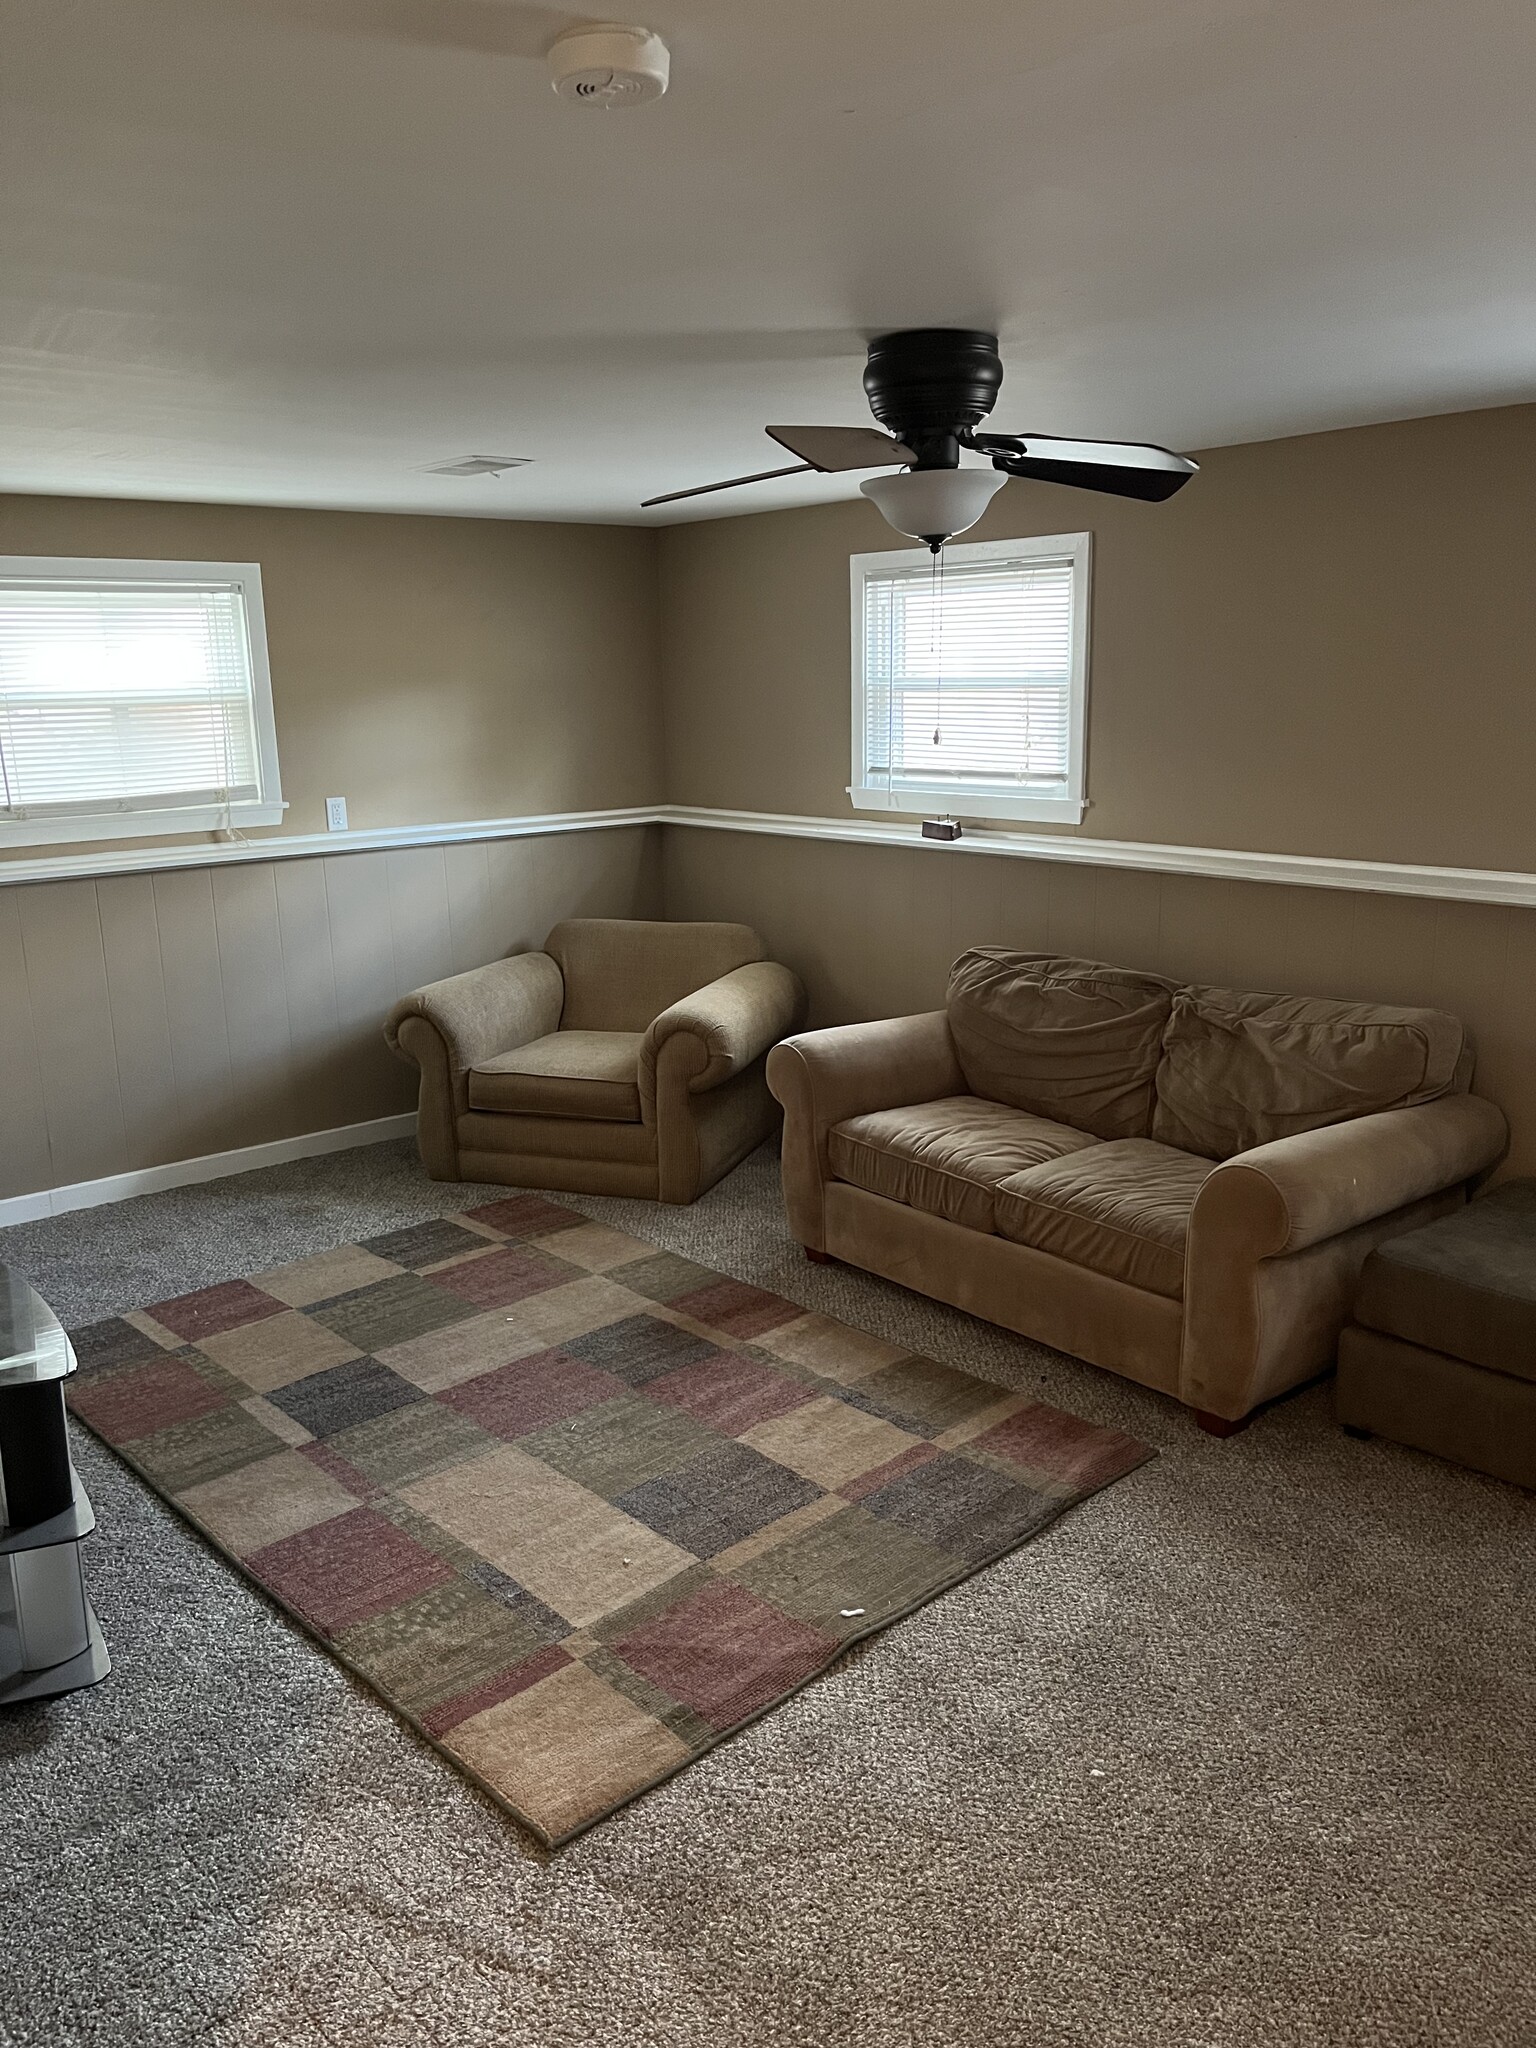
936, 637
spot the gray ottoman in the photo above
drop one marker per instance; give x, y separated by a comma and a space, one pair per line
1442, 1351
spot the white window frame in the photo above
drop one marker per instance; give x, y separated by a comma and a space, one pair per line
949, 800
126, 822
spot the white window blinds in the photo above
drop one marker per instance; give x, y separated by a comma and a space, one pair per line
971, 679
129, 694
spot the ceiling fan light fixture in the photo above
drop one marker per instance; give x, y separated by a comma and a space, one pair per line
933, 505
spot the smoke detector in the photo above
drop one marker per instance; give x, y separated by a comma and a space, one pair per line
478, 465
604, 64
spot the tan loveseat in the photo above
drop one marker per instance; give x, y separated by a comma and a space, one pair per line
625, 1059
1180, 1184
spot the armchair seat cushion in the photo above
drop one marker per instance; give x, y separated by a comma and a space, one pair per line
569, 1073
946, 1157
1121, 1209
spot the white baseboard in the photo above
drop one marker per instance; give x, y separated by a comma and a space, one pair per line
182, 1173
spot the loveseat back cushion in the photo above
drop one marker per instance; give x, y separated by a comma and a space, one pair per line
1071, 1040
945, 1157
1238, 1070
622, 972
1121, 1209
569, 1073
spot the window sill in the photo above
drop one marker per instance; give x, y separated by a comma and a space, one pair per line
955, 803
138, 824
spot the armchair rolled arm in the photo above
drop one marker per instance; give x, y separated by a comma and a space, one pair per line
1297, 1191
449, 1026
486, 1011
823, 1077
729, 1023
714, 1036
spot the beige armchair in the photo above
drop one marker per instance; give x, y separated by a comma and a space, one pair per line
625, 1059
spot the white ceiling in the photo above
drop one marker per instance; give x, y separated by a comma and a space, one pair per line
291, 251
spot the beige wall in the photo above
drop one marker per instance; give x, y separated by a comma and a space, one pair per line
873, 930
1324, 645
427, 670
146, 1018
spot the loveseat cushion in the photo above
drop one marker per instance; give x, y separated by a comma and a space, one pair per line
1070, 1040
945, 1157
569, 1073
1238, 1070
1121, 1209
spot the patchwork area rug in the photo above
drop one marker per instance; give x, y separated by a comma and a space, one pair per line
574, 1507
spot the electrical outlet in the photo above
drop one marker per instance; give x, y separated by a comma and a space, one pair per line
335, 814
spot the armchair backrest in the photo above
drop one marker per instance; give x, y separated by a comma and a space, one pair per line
621, 973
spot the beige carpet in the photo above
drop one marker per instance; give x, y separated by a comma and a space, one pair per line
1239, 1758
576, 1509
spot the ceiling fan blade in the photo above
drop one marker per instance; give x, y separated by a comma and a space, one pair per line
760, 476
1124, 469
833, 448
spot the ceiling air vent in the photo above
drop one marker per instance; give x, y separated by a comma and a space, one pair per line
477, 465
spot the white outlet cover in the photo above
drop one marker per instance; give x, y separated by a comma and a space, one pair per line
335, 814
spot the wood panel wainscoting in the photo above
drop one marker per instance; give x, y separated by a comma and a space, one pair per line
161, 1016
227, 999
872, 928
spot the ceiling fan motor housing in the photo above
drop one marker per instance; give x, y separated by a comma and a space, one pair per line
927, 383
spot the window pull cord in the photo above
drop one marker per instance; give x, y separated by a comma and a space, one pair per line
936, 589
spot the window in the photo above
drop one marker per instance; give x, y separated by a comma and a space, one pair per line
970, 679
134, 699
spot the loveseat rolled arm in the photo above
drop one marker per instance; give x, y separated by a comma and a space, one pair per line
1278, 1235
1294, 1192
823, 1077
449, 1026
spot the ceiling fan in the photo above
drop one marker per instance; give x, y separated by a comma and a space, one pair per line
930, 388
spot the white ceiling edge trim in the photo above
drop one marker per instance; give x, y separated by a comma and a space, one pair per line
1298, 870
1295, 870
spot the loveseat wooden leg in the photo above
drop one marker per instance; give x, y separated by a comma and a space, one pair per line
818, 1258
1219, 1425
